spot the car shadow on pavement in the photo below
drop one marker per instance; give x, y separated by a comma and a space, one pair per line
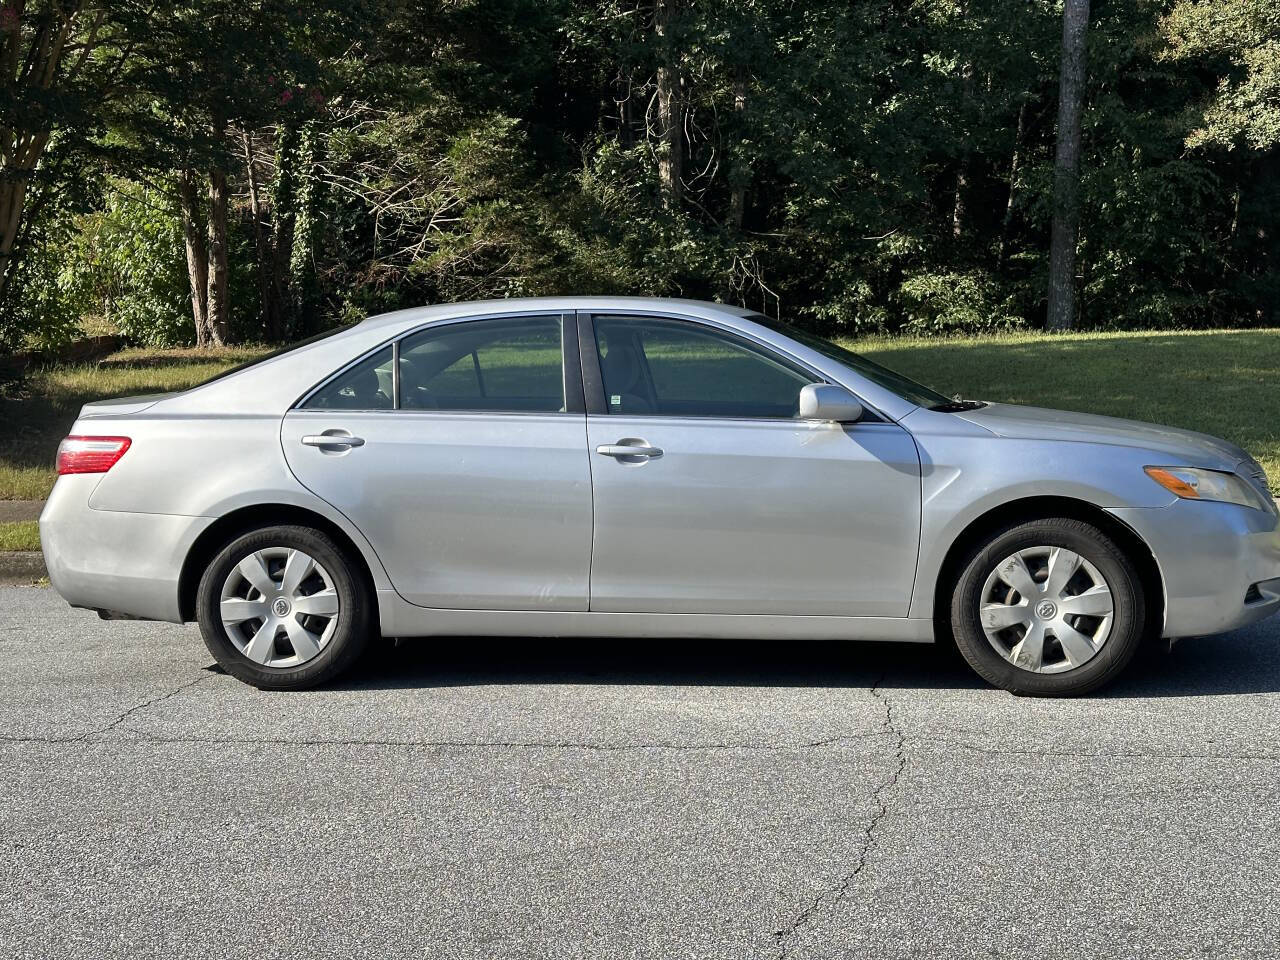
447, 662
1240, 663
1244, 662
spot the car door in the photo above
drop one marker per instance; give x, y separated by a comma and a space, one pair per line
458, 452
711, 497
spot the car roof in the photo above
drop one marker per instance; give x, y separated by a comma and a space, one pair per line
545, 304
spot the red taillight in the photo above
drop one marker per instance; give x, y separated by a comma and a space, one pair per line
90, 454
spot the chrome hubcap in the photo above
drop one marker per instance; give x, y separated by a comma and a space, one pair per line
279, 607
1046, 609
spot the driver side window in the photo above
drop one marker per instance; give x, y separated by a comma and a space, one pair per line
673, 368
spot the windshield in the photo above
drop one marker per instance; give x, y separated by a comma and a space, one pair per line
323, 335
904, 387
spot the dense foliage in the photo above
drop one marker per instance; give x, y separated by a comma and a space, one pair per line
883, 165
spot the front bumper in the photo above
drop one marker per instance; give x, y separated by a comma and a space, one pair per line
1220, 563
127, 563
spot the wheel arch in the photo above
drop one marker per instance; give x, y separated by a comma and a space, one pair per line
226, 528
1040, 508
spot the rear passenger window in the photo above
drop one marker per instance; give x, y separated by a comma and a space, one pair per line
366, 386
506, 365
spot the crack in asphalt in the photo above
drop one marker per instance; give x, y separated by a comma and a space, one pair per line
508, 744
1088, 754
99, 731
831, 896
142, 706
97, 734
95, 737
887, 728
1216, 790
439, 744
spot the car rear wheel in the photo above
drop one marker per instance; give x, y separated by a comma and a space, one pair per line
1051, 607
284, 608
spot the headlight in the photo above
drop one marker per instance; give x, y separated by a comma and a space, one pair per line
1193, 483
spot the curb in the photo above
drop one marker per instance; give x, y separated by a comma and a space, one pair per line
22, 567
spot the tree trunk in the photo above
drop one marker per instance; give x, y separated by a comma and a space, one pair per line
1235, 211
740, 174
272, 308
670, 134
28, 75
1066, 168
1015, 164
958, 212
966, 136
193, 230
13, 197
628, 128
219, 270
283, 192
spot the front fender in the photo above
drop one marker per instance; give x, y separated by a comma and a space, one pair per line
964, 478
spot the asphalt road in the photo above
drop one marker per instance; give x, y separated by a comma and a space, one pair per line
566, 799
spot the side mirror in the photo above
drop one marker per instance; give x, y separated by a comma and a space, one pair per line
826, 401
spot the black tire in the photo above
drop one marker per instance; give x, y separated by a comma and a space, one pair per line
350, 636
1128, 624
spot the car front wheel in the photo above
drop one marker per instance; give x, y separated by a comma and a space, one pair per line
284, 608
1050, 607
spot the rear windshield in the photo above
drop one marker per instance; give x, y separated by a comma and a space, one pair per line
904, 387
325, 335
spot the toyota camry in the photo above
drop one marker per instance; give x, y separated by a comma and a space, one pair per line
619, 467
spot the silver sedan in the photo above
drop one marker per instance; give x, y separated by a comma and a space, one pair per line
618, 467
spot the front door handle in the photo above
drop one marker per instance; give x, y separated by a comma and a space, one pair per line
629, 448
333, 440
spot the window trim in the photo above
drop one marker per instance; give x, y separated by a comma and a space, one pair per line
593, 378
570, 367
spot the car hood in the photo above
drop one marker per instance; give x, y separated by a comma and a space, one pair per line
1039, 423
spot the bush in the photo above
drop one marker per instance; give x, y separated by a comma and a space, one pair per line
131, 259
945, 303
46, 303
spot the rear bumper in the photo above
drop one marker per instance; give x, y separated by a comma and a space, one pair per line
1210, 556
126, 563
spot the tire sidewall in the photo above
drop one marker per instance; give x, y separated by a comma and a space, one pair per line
1121, 576
348, 640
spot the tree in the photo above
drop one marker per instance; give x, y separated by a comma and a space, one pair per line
882, 166
670, 119
1066, 171
1244, 36
194, 229
212, 81
49, 82
1238, 42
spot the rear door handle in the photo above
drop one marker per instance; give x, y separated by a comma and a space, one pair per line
333, 440
634, 448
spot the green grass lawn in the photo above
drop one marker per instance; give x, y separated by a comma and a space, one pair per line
38, 414
1226, 383
22, 535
